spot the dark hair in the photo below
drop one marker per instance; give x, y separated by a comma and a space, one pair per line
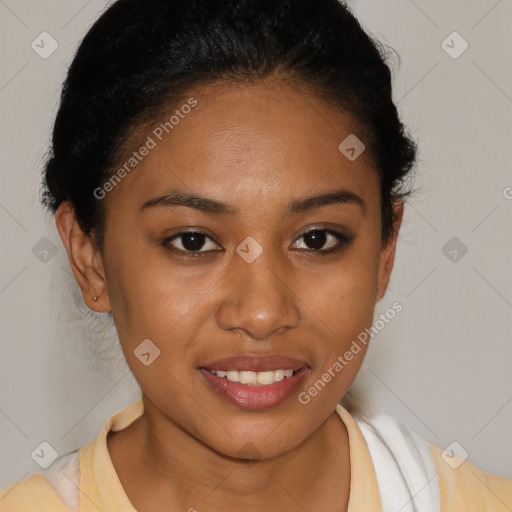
140, 56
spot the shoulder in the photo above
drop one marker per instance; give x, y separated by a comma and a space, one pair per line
31, 492
53, 489
460, 486
466, 487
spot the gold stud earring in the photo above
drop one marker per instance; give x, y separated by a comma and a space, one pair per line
95, 299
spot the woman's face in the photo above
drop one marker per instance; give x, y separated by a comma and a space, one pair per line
253, 291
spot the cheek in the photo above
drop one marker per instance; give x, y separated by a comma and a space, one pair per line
345, 302
138, 280
155, 302
347, 311
348, 292
154, 298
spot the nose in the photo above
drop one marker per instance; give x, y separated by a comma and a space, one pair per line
257, 298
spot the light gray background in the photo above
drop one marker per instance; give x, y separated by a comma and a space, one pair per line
442, 365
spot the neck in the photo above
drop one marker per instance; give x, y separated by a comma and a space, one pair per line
163, 467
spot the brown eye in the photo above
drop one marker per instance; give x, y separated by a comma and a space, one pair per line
315, 239
190, 241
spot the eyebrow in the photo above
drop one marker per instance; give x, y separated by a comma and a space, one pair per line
176, 198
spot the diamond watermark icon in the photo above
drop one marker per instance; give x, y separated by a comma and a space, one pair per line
454, 45
249, 249
45, 454
249, 451
146, 352
351, 147
44, 250
454, 455
44, 45
454, 249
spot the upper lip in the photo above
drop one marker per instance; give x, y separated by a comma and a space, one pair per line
253, 363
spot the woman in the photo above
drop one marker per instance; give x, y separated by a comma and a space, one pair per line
228, 181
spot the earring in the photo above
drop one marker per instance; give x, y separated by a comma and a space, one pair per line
95, 299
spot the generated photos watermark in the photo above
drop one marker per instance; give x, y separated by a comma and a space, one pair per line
151, 142
343, 360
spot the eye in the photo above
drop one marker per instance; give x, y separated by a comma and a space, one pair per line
316, 238
191, 242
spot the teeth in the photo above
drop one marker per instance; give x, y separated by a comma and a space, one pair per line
254, 378
265, 378
232, 376
248, 377
279, 375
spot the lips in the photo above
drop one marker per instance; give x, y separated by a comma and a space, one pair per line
245, 389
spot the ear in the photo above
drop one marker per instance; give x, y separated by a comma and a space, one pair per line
85, 259
387, 252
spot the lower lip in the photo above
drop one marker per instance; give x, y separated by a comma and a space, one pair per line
254, 397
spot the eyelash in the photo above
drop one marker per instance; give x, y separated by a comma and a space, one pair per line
343, 240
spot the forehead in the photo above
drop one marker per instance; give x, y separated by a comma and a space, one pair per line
250, 141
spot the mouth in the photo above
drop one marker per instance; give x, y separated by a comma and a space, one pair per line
255, 378
252, 382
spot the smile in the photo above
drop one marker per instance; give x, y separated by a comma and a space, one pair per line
254, 381
254, 390
254, 378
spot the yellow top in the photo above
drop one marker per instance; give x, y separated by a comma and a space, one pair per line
465, 489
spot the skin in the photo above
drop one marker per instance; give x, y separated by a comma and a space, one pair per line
257, 147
